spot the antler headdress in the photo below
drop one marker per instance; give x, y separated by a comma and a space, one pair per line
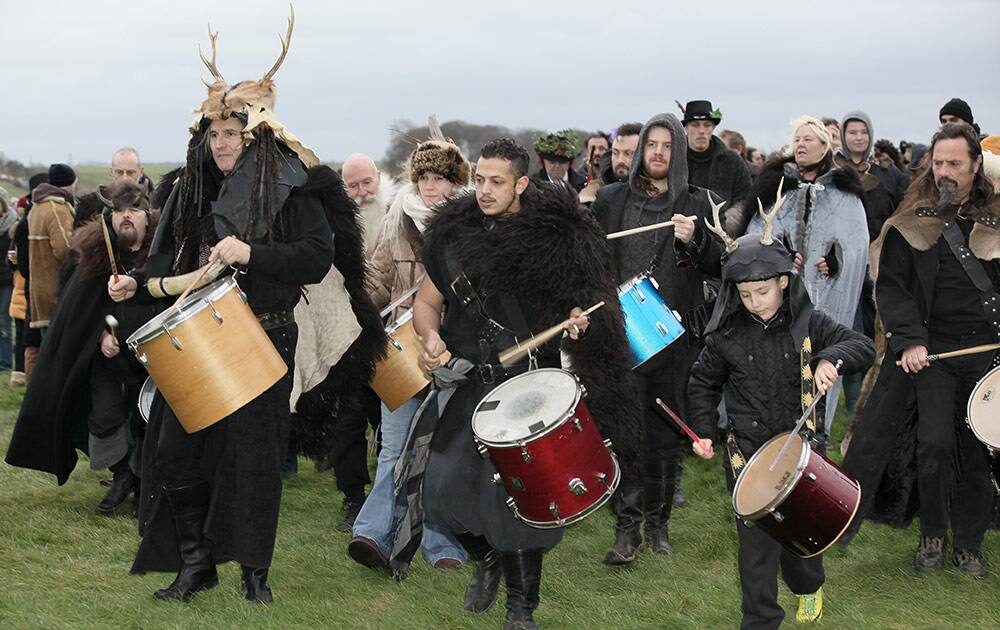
768, 217
717, 228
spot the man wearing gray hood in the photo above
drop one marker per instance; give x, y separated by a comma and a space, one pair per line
681, 259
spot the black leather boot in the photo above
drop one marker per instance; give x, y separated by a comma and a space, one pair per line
659, 481
189, 506
627, 536
122, 484
522, 570
482, 591
255, 586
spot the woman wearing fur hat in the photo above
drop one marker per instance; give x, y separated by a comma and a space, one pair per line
252, 196
822, 220
86, 385
438, 171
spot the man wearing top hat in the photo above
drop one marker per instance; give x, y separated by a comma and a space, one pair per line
710, 164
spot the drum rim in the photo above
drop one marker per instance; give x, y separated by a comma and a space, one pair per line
174, 316
968, 407
399, 322
800, 467
629, 284
149, 379
569, 413
576, 518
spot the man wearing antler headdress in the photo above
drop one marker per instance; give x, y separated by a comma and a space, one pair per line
86, 388
770, 351
682, 259
251, 196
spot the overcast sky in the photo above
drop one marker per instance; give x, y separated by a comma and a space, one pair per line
84, 78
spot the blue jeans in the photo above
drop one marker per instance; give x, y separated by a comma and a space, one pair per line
375, 519
6, 334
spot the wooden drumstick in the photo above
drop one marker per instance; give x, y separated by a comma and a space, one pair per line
677, 419
960, 353
516, 352
187, 291
639, 230
111, 249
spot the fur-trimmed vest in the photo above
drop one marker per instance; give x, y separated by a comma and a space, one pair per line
552, 255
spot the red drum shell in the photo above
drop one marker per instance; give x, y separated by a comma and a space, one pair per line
559, 475
812, 505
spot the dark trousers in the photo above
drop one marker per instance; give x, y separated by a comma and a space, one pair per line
759, 559
952, 465
19, 326
178, 453
760, 556
349, 454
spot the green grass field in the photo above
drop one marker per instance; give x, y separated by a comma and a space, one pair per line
64, 566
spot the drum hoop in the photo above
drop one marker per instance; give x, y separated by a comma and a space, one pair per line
790, 485
566, 522
142, 390
968, 406
173, 317
399, 322
628, 285
547, 430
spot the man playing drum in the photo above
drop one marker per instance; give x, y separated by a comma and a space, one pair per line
254, 197
769, 349
509, 262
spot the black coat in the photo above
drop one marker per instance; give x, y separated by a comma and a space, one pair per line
760, 369
576, 180
720, 170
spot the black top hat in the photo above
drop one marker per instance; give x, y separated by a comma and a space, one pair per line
701, 110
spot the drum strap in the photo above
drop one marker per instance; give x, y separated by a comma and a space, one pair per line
808, 383
736, 458
974, 269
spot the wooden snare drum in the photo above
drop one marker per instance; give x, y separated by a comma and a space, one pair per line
208, 355
398, 376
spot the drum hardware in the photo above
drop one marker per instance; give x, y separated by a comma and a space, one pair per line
607, 443
650, 325
482, 450
802, 421
173, 340
777, 516
398, 377
215, 313
497, 479
811, 477
983, 418
528, 428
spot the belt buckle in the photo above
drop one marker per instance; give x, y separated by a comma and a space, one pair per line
486, 373
463, 290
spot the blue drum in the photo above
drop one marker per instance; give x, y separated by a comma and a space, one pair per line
649, 323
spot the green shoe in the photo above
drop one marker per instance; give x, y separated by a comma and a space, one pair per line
810, 607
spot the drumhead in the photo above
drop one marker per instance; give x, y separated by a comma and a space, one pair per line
759, 489
526, 406
192, 305
984, 409
146, 394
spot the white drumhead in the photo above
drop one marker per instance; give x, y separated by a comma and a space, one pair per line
984, 409
526, 405
758, 488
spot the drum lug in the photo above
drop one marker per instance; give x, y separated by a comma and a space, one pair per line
482, 449
748, 522
607, 443
497, 479
517, 483
511, 505
778, 516
603, 478
243, 296
526, 454
216, 314
142, 358
811, 477
639, 294
554, 511
395, 344
576, 486
577, 425
174, 340
660, 326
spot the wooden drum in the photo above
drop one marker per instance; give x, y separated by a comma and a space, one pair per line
398, 377
209, 355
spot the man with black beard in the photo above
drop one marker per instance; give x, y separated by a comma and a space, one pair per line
681, 259
85, 385
937, 271
613, 165
508, 262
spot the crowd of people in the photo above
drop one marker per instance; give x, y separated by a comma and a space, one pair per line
794, 275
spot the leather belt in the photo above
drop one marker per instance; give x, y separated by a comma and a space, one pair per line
276, 319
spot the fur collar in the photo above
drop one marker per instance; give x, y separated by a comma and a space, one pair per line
920, 222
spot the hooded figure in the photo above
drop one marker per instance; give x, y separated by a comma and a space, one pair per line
686, 273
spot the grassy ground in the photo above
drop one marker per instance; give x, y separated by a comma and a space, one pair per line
64, 566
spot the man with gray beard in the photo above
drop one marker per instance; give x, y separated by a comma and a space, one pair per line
365, 185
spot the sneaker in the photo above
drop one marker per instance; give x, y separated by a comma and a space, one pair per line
930, 556
16, 379
810, 607
352, 507
971, 562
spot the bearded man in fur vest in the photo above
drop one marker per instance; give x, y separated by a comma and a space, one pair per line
508, 262
251, 195
85, 392
937, 272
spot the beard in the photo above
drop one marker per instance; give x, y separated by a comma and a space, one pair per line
128, 236
948, 191
621, 170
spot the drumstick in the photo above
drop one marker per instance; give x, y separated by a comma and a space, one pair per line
684, 427
180, 298
514, 353
639, 230
111, 250
960, 353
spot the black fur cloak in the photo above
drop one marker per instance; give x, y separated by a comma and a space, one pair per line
553, 253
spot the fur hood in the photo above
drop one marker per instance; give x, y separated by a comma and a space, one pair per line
921, 223
92, 253
554, 253
765, 188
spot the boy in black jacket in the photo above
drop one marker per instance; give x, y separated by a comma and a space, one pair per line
771, 350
